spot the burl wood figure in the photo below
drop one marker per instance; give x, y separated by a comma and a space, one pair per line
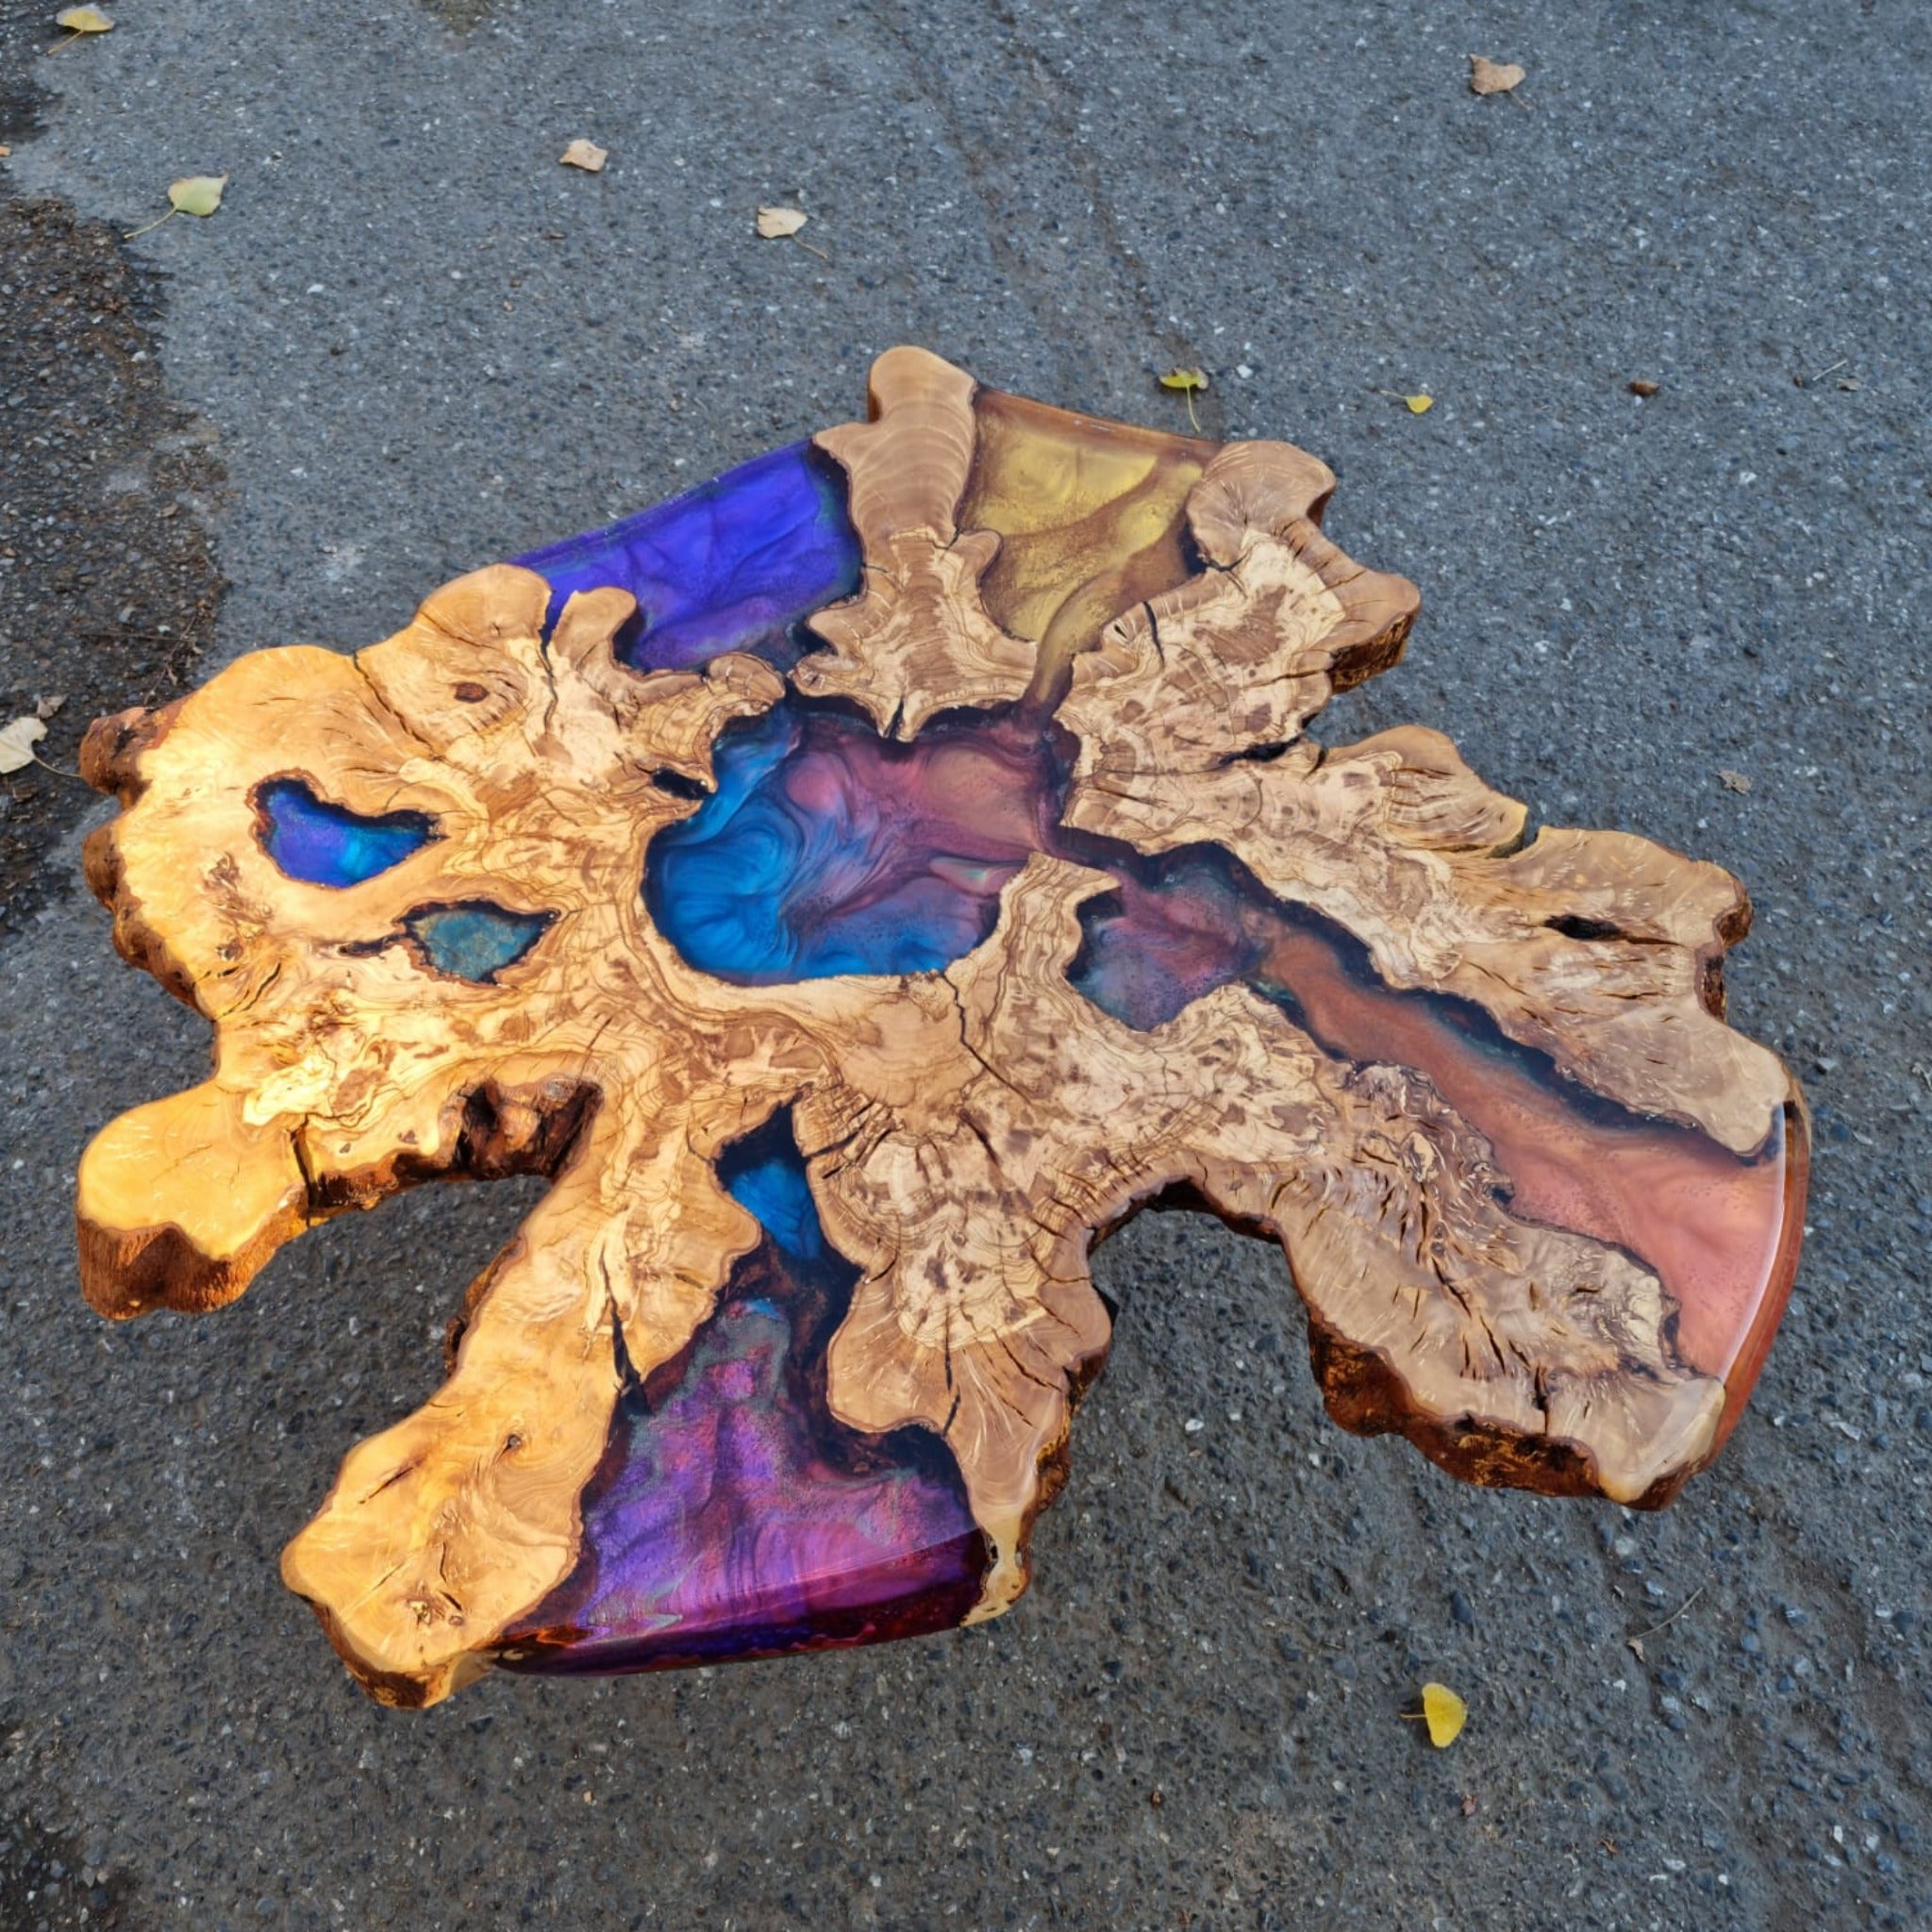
858, 887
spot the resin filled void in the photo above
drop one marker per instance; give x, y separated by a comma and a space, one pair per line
1720, 1233
325, 844
476, 938
735, 565
732, 1517
826, 849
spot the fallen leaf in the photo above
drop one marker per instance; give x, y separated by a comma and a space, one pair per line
1419, 404
783, 223
1468, 1804
1636, 1644
17, 741
5, 152
46, 708
192, 195
1187, 381
1492, 76
197, 195
586, 154
80, 22
1735, 781
1642, 386
1444, 1713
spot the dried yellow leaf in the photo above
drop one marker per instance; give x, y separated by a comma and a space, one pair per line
775, 223
193, 194
17, 741
1444, 1713
1735, 781
84, 20
586, 154
1187, 381
197, 194
1419, 404
1492, 76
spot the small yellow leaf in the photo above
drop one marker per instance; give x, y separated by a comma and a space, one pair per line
1419, 404
775, 223
586, 154
197, 194
1492, 76
84, 20
17, 741
1444, 1713
1184, 379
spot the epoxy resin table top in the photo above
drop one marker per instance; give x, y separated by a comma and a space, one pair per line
858, 886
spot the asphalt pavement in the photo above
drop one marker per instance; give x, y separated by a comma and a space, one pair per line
411, 342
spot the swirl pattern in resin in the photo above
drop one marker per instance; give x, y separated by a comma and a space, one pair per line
732, 1519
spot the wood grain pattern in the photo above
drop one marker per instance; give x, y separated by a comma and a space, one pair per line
918, 641
968, 1132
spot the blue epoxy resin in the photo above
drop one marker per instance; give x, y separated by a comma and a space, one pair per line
475, 940
826, 849
766, 1174
325, 844
735, 565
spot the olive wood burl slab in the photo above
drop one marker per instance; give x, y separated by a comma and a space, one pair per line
858, 887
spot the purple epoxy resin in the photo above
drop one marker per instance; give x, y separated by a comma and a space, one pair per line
732, 1517
736, 565
827, 849
326, 845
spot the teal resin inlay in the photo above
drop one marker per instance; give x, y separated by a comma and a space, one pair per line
475, 940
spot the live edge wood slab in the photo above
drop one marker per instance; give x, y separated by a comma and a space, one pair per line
858, 887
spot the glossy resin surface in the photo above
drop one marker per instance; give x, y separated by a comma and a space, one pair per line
732, 1517
859, 884
826, 849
